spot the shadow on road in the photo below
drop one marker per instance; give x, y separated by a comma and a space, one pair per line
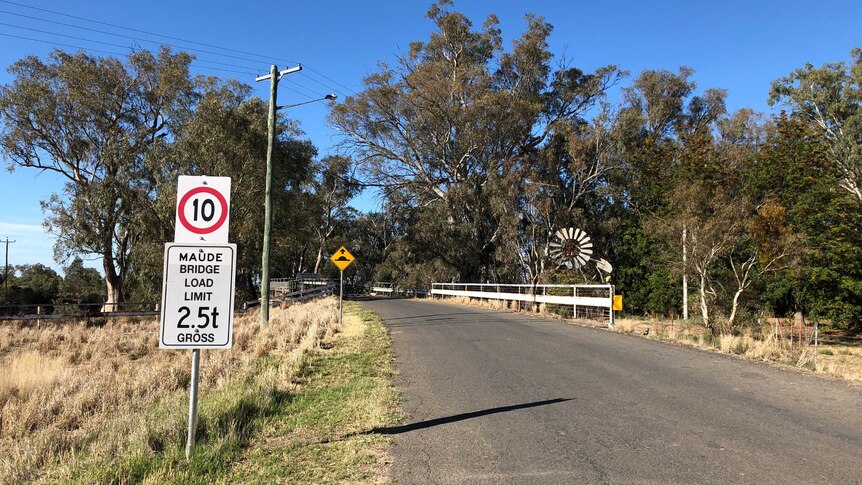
461, 417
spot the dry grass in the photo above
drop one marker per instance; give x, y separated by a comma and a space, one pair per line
72, 394
833, 357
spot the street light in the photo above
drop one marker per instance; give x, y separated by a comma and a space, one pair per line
328, 97
274, 76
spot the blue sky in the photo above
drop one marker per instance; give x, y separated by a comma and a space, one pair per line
740, 46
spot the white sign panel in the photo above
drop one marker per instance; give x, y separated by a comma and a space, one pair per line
203, 209
198, 296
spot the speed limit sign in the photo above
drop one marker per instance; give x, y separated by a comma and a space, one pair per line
203, 209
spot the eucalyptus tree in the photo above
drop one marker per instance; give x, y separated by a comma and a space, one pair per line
332, 191
830, 98
453, 126
566, 183
669, 146
226, 135
93, 121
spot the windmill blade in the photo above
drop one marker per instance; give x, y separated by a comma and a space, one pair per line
576, 234
587, 251
555, 244
583, 259
587, 245
560, 234
605, 266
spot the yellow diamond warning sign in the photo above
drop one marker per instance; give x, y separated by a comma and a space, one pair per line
342, 258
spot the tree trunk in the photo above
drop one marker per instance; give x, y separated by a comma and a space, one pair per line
734, 307
114, 285
704, 309
319, 258
684, 273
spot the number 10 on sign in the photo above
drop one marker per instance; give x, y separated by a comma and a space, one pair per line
203, 209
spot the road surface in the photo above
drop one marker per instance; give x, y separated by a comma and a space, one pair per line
506, 398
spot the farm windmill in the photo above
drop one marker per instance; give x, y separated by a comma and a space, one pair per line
573, 248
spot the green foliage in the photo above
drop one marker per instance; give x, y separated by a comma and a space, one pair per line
33, 284
82, 285
94, 120
829, 99
795, 169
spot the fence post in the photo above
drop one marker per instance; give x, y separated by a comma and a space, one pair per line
612, 323
575, 304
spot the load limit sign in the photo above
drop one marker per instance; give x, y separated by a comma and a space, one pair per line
198, 296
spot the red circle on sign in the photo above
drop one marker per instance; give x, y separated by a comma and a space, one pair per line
181, 210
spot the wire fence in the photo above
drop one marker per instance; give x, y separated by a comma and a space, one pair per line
50, 311
301, 291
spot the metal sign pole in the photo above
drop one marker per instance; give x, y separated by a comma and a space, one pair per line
193, 403
340, 298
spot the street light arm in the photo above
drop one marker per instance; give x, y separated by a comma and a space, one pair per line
330, 97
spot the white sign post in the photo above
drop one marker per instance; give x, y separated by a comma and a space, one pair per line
199, 276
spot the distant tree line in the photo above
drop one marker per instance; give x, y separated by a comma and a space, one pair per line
35, 284
480, 154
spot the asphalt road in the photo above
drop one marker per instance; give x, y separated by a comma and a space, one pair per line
506, 398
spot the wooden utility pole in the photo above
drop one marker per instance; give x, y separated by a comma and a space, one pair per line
6, 275
274, 76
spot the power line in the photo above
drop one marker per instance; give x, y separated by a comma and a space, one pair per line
131, 37
298, 92
90, 49
62, 44
324, 85
141, 31
326, 77
259, 56
307, 89
110, 44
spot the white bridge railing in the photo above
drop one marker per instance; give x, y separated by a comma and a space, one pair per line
593, 302
391, 289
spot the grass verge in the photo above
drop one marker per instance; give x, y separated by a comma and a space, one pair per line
324, 431
292, 403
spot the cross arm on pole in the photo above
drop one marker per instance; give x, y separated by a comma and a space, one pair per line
280, 74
